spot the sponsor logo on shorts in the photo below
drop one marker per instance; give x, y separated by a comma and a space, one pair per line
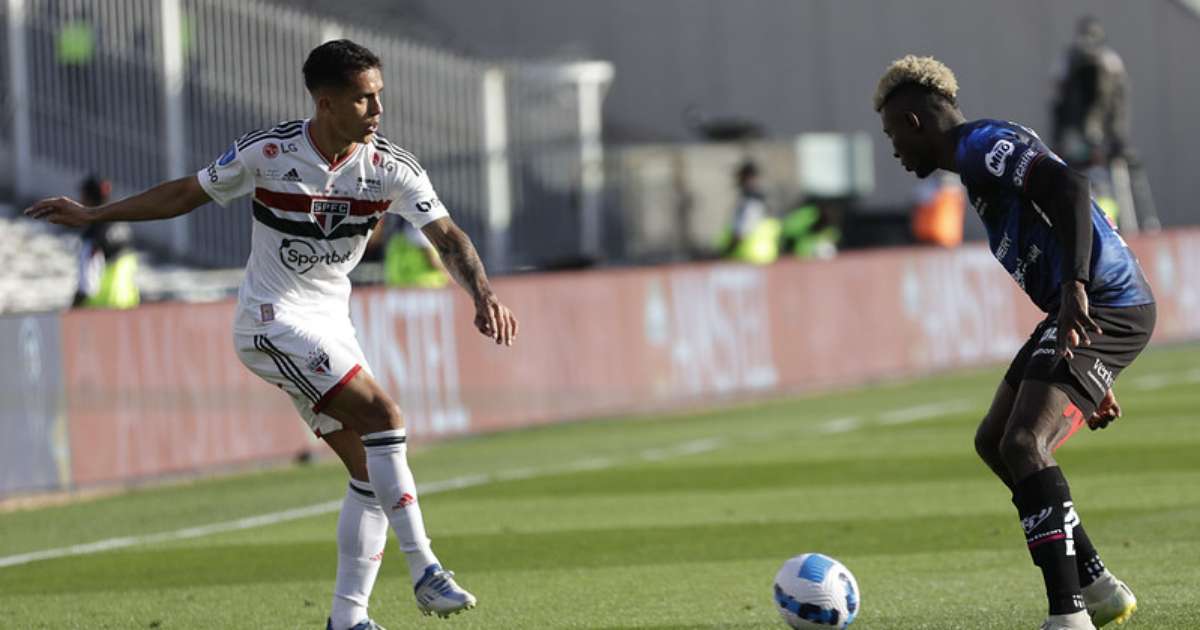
1101, 375
300, 256
267, 311
997, 159
1048, 344
318, 361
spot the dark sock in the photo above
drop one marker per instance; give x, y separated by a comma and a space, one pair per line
1043, 501
1087, 559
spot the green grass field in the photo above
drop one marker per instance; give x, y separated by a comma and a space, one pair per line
672, 522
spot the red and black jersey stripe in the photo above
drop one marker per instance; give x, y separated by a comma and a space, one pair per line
302, 203
307, 229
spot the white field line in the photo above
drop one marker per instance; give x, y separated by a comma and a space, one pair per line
925, 412
840, 425
692, 447
1159, 381
273, 518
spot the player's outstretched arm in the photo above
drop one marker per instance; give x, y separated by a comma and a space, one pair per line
462, 262
169, 199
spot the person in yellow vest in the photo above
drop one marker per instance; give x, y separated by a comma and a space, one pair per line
754, 235
813, 228
410, 260
107, 265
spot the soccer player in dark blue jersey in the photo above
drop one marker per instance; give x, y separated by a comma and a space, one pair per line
1052, 239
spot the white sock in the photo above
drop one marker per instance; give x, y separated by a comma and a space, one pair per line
397, 493
362, 536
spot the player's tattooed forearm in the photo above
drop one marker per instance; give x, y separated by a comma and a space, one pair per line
463, 263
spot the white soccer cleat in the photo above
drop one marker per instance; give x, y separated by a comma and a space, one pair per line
1109, 599
438, 594
1073, 621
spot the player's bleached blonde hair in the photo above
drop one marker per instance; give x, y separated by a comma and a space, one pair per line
926, 72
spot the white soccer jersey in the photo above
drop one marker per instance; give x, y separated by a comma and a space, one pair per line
312, 218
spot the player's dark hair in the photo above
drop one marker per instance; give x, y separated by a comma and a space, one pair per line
334, 64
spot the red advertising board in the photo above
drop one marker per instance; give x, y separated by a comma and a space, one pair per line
159, 389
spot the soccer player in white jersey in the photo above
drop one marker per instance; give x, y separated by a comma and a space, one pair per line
319, 186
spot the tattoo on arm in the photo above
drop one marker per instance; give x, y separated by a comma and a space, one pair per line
460, 259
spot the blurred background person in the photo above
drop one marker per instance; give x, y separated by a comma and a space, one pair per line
410, 260
1091, 131
107, 264
1091, 106
814, 228
754, 234
937, 217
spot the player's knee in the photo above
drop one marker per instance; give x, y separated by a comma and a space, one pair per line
986, 444
382, 415
1020, 445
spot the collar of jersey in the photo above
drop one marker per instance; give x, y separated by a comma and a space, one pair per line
333, 166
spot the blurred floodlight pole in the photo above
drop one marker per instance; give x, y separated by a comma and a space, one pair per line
593, 79
172, 103
18, 95
496, 173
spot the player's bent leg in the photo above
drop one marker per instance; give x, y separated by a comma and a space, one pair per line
1043, 497
991, 430
364, 407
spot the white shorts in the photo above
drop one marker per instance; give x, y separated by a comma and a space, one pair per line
311, 367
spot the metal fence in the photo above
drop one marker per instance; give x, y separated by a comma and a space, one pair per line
148, 90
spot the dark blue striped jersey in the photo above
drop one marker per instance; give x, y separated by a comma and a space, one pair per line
995, 160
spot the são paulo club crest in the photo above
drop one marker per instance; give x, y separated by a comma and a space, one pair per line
318, 361
270, 150
329, 213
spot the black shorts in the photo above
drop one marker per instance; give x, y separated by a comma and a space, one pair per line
1087, 377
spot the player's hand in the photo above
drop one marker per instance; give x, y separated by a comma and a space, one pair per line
1074, 323
1107, 413
495, 320
60, 211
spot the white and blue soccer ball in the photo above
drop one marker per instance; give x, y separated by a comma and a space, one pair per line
815, 591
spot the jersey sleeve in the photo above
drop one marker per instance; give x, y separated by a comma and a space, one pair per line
1003, 160
227, 177
415, 199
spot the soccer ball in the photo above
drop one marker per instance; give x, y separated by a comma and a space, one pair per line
816, 591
